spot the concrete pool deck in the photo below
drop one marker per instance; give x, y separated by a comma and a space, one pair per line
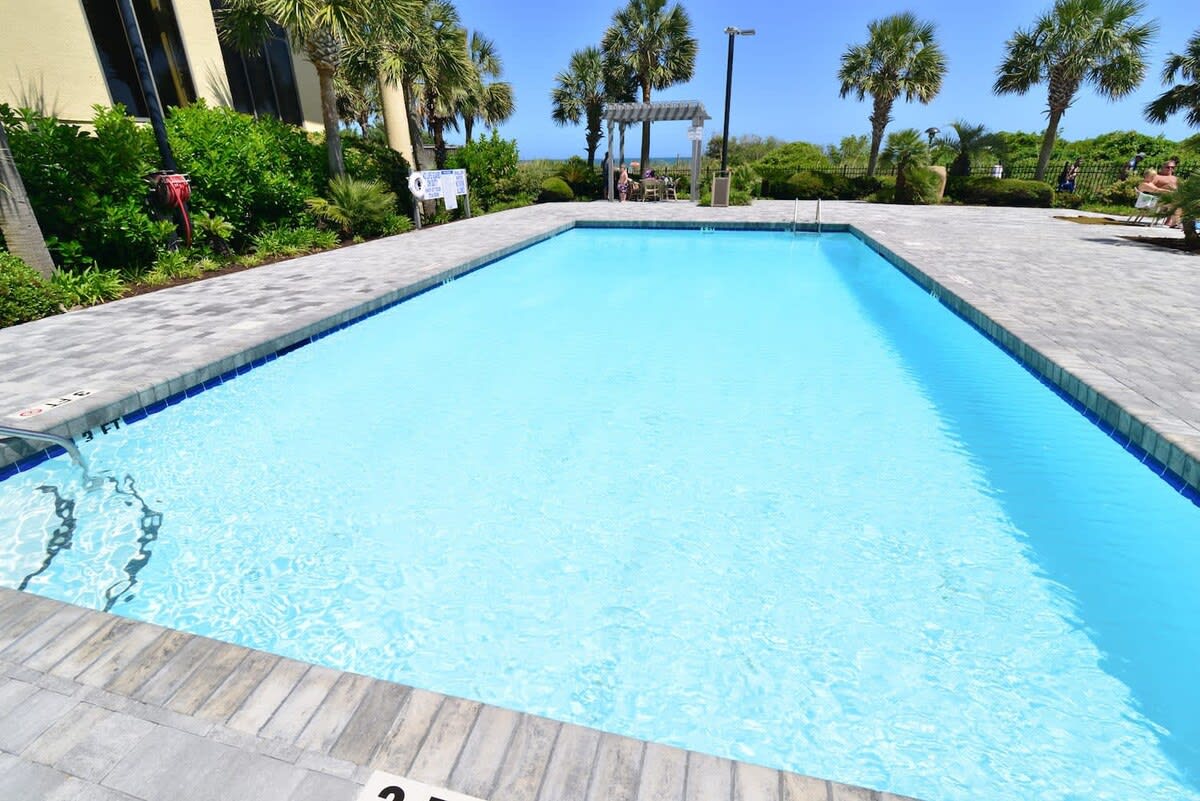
92, 703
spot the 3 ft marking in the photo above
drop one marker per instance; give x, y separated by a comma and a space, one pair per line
103, 428
390, 787
53, 403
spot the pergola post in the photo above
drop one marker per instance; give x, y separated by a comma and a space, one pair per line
608, 179
694, 194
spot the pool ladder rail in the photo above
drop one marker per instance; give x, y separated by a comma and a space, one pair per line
796, 215
66, 443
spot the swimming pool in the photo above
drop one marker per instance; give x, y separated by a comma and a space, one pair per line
749, 493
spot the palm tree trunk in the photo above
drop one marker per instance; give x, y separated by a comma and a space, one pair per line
329, 115
1048, 142
414, 127
880, 117
468, 124
1190, 235
439, 144
17, 220
645, 162
593, 134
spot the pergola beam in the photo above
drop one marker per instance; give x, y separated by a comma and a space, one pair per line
659, 111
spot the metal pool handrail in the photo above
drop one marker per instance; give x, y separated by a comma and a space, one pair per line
63, 442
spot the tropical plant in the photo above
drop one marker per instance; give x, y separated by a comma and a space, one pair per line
89, 287
24, 296
482, 99
655, 44
281, 242
907, 151
1185, 202
742, 149
215, 230
322, 29
852, 151
899, 58
1100, 42
967, 143
580, 94
354, 206
1185, 95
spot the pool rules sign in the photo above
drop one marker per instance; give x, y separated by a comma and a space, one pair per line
389, 787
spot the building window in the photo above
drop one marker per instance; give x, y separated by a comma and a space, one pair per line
164, 50
264, 82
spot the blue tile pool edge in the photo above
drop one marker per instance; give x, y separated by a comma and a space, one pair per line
1140, 439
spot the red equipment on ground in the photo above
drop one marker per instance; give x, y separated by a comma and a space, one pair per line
172, 191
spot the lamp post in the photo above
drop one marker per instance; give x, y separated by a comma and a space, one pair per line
931, 133
728, 88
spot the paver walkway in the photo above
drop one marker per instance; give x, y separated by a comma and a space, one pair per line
95, 707
98, 707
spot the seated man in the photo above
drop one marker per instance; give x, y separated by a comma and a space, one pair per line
1160, 182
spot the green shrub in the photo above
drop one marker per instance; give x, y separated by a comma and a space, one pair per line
255, 174
87, 188
555, 190
886, 193
355, 207
584, 181
279, 242
1068, 200
520, 202
802, 186
89, 287
24, 296
920, 186
374, 161
792, 158
985, 191
491, 165
1119, 193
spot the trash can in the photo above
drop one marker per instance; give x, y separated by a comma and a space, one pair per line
720, 190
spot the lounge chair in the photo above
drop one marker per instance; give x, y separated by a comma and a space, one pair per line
1146, 206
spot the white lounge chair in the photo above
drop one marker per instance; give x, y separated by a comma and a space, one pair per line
1146, 206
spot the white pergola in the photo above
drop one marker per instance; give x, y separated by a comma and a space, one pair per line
662, 111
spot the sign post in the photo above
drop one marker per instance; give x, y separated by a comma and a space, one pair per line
434, 184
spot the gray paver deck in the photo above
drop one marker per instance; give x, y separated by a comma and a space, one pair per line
70, 738
93, 706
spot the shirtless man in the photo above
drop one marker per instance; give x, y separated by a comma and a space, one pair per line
1160, 182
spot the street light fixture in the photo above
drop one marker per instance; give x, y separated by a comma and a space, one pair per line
728, 87
931, 133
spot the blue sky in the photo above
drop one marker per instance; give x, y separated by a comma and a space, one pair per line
784, 80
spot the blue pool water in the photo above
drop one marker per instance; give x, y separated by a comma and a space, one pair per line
753, 494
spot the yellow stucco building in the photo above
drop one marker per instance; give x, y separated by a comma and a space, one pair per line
65, 56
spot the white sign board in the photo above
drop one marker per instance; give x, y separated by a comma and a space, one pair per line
696, 134
433, 184
390, 787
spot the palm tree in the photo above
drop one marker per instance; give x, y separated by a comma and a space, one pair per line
1184, 96
322, 29
434, 71
656, 43
906, 150
967, 142
1100, 42
489, 101
22, 234
579, 93
1185, 201
900, 57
